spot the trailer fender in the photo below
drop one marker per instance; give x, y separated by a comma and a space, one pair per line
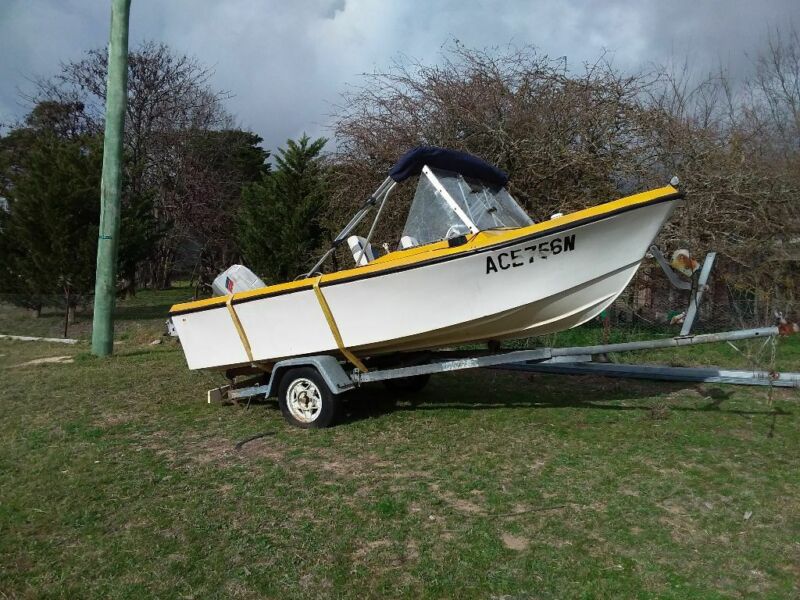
332, 372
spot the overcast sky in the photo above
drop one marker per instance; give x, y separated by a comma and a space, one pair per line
287, 61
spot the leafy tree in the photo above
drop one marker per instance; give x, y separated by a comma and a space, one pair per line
217, 165
52, 122
183, 158
13, 286
278, 225
50, 229
63, 119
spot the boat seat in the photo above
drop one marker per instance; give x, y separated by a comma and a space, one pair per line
361, 249
408, 241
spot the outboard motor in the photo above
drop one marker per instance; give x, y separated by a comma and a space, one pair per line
235, 279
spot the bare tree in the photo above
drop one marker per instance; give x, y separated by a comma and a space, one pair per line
570, 138
566, 140
169, 104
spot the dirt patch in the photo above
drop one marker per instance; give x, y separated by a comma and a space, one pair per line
205, 451
237, 589
263, 448
537, 465
369, 548
466, 506
312, 581
461, 505
682, 527
412, 550
342, 467
190, 450
177, 558
742, 434
403, 475
112, 419
515, 542
351, 466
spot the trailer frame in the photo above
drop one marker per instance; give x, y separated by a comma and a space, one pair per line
338, 379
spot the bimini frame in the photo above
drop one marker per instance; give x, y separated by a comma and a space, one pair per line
379, 196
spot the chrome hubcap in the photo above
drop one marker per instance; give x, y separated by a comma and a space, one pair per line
304, 400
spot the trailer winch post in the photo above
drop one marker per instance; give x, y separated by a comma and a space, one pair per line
694, 303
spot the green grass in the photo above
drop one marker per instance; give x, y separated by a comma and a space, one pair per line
118, 480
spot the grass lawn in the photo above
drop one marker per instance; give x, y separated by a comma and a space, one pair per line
118, 480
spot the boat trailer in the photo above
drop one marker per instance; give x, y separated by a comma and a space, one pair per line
297, 375
308, 387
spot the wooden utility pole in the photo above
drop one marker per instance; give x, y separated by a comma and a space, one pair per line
111, 187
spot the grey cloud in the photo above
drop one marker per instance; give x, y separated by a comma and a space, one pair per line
286, 62
335, 7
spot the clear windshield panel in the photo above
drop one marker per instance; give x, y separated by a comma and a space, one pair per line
486, 206
431, 217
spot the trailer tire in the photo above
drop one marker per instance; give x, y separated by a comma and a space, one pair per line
412, 384
305, 399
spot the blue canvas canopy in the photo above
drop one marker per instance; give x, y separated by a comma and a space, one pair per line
411, 164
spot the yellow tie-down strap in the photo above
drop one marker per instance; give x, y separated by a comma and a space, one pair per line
239, 329
335, 329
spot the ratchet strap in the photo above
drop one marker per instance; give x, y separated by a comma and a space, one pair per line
239, 329
326, 310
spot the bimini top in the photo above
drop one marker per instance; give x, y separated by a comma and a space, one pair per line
411, 164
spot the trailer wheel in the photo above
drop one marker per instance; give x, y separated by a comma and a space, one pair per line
407, 384
305, 399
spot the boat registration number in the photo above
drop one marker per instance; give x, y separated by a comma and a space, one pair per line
519, 257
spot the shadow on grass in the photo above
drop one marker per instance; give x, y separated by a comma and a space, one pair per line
374, 401
135, 312
143, 312
152, 304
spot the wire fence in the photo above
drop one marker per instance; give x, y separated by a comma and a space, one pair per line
652, 307
651, 303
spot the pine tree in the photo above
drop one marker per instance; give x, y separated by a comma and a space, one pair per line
50, 229
48, 166
278, 224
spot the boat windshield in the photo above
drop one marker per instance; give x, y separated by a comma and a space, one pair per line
447, 205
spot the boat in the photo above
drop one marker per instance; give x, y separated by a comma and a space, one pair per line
470, 266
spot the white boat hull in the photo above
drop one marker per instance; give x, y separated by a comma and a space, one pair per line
550, 283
